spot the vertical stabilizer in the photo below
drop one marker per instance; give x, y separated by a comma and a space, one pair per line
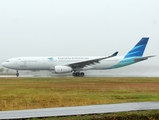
138, 49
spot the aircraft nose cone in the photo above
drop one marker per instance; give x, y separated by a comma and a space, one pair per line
4, 64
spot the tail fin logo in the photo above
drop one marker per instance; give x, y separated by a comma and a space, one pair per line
138, 49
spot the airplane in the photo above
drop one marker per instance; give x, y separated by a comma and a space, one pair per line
77, 64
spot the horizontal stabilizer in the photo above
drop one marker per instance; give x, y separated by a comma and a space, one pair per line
143, 58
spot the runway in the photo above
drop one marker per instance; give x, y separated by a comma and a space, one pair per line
79, 110
131, 71
6, 76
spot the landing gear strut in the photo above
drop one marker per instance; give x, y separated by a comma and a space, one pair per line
78, 74
17, 74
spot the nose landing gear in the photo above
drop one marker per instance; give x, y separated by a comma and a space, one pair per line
17, 74
78, 74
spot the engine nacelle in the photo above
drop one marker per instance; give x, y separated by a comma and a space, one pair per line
62, 69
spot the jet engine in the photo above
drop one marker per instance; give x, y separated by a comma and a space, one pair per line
62, 69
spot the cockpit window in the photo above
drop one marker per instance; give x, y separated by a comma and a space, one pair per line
7, 60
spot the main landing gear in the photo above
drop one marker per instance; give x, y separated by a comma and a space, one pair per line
78, 74
17, 74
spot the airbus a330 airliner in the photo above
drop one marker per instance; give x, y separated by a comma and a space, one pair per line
78, 64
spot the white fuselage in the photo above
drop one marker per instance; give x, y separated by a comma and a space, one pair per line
48, 63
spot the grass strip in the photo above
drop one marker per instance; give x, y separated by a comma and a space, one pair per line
31, 93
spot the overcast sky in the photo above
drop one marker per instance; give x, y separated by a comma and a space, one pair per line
77, 27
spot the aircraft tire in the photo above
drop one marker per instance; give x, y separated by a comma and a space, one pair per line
17, 74
82, 74
74, 74
77, 74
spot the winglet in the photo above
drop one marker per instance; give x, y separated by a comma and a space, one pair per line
114, 54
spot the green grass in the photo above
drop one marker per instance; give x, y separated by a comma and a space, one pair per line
30, 93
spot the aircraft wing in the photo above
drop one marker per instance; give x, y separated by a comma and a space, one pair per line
81, 64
